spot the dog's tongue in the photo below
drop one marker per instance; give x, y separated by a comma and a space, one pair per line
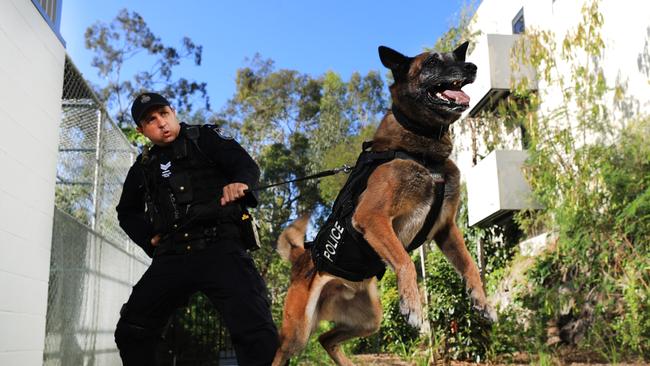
458, 96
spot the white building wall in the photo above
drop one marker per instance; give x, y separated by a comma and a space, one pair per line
31, 79
626, 58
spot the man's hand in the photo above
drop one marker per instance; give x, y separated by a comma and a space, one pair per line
155, 240
233, 192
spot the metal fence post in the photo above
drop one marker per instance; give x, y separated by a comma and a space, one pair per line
98, 137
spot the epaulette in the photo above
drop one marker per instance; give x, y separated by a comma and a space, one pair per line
192, 132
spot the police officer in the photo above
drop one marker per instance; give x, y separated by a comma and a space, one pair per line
181, 202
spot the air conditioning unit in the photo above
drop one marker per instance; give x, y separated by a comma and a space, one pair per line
493, 58
496, 187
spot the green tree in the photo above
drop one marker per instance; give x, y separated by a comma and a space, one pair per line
290, 122
128, 38
344, 126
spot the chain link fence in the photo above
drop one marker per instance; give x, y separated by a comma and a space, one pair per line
94, 157
90, 278
93, 263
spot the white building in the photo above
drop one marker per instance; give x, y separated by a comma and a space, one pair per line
496, 185
31, 75
62, 279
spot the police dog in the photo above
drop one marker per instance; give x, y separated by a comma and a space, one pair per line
390, 212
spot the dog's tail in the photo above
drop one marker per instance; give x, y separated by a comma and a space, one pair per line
291, 243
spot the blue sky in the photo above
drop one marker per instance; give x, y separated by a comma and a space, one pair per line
309, 36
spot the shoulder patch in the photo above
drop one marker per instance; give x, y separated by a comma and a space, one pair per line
221, 133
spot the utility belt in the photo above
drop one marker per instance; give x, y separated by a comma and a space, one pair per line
198, 237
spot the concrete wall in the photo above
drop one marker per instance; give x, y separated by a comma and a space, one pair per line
31, 79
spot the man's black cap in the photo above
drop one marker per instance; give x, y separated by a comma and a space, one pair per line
143, 102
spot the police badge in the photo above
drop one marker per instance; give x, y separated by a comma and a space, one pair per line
221, 133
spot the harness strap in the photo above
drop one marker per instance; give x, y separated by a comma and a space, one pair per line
434, 212
192, 133
436, 204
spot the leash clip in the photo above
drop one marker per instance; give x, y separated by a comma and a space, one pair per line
345, 169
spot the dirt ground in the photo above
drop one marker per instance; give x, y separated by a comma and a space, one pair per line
392, 360
381, 359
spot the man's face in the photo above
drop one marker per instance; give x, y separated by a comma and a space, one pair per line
159, 124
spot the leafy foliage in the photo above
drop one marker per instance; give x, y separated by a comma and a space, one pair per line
458, 330
126, 38
460, 31
593, 181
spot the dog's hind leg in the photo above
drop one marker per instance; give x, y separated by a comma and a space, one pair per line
332, 339
451, 243
359, 316
299, 316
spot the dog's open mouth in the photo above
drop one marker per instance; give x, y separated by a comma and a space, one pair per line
450, 94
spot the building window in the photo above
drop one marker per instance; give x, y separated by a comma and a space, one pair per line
50, 10
49, 6
518, 24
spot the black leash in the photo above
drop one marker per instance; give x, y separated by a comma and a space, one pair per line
345, 169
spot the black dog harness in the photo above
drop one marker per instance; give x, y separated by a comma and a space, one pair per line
341, 250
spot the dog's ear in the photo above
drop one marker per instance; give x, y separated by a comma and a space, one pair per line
461, 51
392, 59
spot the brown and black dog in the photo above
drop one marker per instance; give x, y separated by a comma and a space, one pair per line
390, 212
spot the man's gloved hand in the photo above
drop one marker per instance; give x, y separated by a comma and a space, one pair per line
233, 192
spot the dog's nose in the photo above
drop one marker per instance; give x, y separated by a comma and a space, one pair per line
470, 67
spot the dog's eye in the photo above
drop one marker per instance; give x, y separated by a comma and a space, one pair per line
433, 59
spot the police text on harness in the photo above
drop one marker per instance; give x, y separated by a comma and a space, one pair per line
335, 235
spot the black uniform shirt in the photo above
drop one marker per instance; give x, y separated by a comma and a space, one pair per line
230, 158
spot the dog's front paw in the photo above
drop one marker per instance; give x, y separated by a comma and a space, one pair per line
412, 311
487, 312
480, 304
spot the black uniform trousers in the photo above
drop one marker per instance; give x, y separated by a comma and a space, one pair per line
227, 277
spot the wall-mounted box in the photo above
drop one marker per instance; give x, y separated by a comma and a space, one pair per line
496, 186
493, 58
